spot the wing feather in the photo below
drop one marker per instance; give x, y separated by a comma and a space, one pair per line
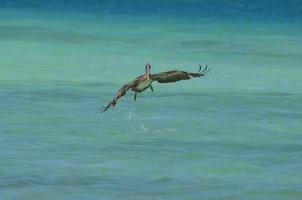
176, 75
170, 76
121, 92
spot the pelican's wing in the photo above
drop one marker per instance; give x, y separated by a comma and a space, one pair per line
122, 91
175, 75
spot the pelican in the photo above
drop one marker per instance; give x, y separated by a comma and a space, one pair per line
143, 82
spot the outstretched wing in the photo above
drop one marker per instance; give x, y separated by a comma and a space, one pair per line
122, 91
175, 75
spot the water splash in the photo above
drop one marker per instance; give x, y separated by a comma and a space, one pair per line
135, 120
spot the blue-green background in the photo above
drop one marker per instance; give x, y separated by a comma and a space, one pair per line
235, 134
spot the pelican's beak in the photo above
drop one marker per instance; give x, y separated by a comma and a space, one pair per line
147, 68
149, 73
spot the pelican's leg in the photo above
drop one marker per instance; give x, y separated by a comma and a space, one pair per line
151, 88
135, 96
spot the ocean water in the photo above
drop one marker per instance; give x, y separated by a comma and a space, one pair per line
234, 134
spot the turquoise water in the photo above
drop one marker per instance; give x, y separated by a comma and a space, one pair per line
235, 134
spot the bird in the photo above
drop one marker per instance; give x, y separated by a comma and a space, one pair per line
143, 82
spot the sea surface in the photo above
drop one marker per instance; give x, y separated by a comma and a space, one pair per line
234, 134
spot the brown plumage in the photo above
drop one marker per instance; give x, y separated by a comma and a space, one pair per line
141, 83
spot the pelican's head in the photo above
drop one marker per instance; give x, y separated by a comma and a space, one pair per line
147, 70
